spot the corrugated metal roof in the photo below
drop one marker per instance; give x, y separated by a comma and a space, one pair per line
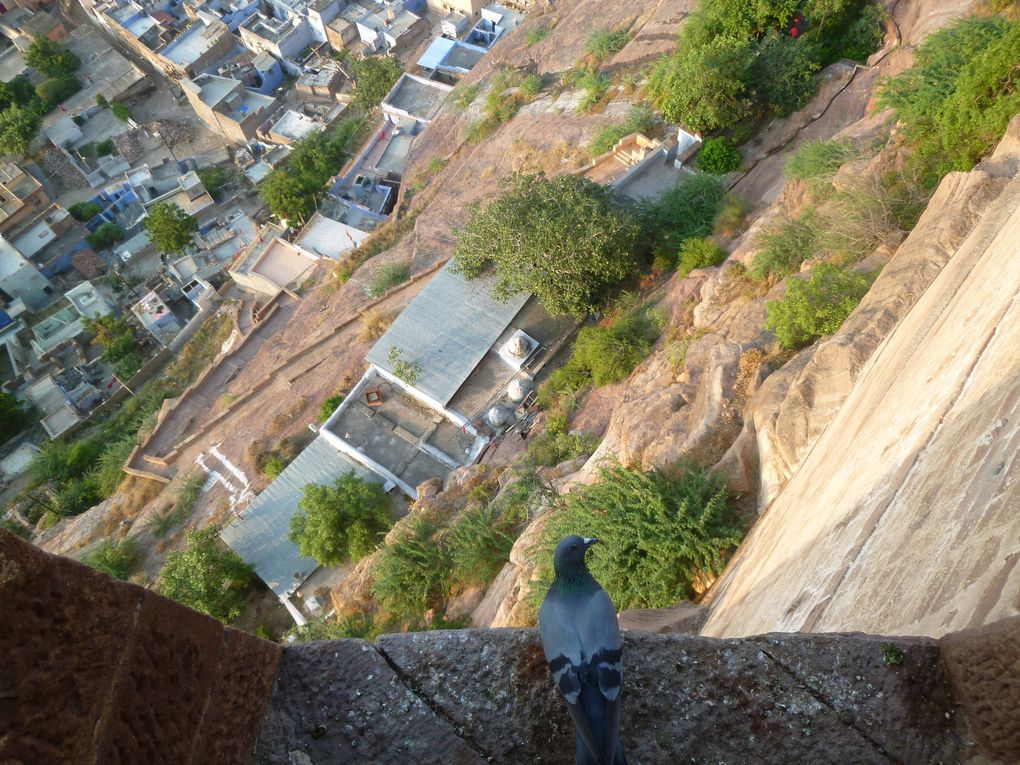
259, 533
446, 330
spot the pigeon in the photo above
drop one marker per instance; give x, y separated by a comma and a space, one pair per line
581, 640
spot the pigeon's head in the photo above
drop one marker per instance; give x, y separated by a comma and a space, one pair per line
570, 552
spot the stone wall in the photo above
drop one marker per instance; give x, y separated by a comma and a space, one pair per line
98, 671
93, 670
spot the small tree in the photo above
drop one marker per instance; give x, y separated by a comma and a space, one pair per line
56, 90
18, 126
84, 211
561, 238
206, 576
287, 196
343, 520
374, 76
16, 91
117, 559
815, 306
119, 345
120, 111
106, 235
170, 228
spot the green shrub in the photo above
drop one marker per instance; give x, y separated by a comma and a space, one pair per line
552, 448
388, 277
659, 534
730, 215
329, 405
206, 576
15, 416
110, 465
531, 85
374, 76
274, 466
76, 495
608, 355
639, 119
718, 156
699, 253
105, 148
189, 490
61, 462
358, 625
955, 101
817, 161
463, 96
214, 179
785, 244
535, 35
478, 130
101, 101
120, 111
687, 211
105, 236
56, 90
479, 543
815, 306
603, 43
344, 520
84, 211
116, 559
412, 573
595, 85
865, 35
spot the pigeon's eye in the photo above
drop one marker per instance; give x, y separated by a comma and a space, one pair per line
573, 547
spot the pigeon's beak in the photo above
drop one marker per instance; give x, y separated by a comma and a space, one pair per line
589, 541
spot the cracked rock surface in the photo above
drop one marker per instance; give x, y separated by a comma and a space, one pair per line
466, 696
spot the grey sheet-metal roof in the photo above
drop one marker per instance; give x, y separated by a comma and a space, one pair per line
446, 330
259, 533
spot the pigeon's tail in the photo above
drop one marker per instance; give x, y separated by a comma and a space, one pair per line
585, 757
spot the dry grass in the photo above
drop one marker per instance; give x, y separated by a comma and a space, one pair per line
525, 158
374, 322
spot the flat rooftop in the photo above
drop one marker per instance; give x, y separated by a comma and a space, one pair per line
389, 155
214, 89
447, 329
416, 96
192, 44
295, 125
109, 72
406, 438
328, 238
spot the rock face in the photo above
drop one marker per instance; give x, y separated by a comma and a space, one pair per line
903, 517
95, 670
485, 696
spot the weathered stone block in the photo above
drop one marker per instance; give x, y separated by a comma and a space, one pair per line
63, 630
984, 667
162, 686
238, 700
340, 702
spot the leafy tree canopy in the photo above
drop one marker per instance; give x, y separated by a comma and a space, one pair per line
373, 78
56, 90
105, 235
206, 576
343, 520
14, 416
287, 196
170, 228
560, 238
18, 126
16, 91
51, 58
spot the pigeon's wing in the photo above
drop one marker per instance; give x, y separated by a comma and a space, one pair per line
601, 640
562, 646
582, 644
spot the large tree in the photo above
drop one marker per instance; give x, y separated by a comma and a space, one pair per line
292, 192
50, 58
373, 78
346, 519
561, 238
170, 228
119, 345
206, 576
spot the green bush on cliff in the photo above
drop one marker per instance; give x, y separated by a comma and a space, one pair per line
661, 533
955, 101
815, 306
206, 576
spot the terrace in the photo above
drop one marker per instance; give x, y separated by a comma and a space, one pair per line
414, 99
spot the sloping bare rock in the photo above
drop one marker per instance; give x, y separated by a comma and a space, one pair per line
797, 404
772, 699
903, 517
340, 702
685, 616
